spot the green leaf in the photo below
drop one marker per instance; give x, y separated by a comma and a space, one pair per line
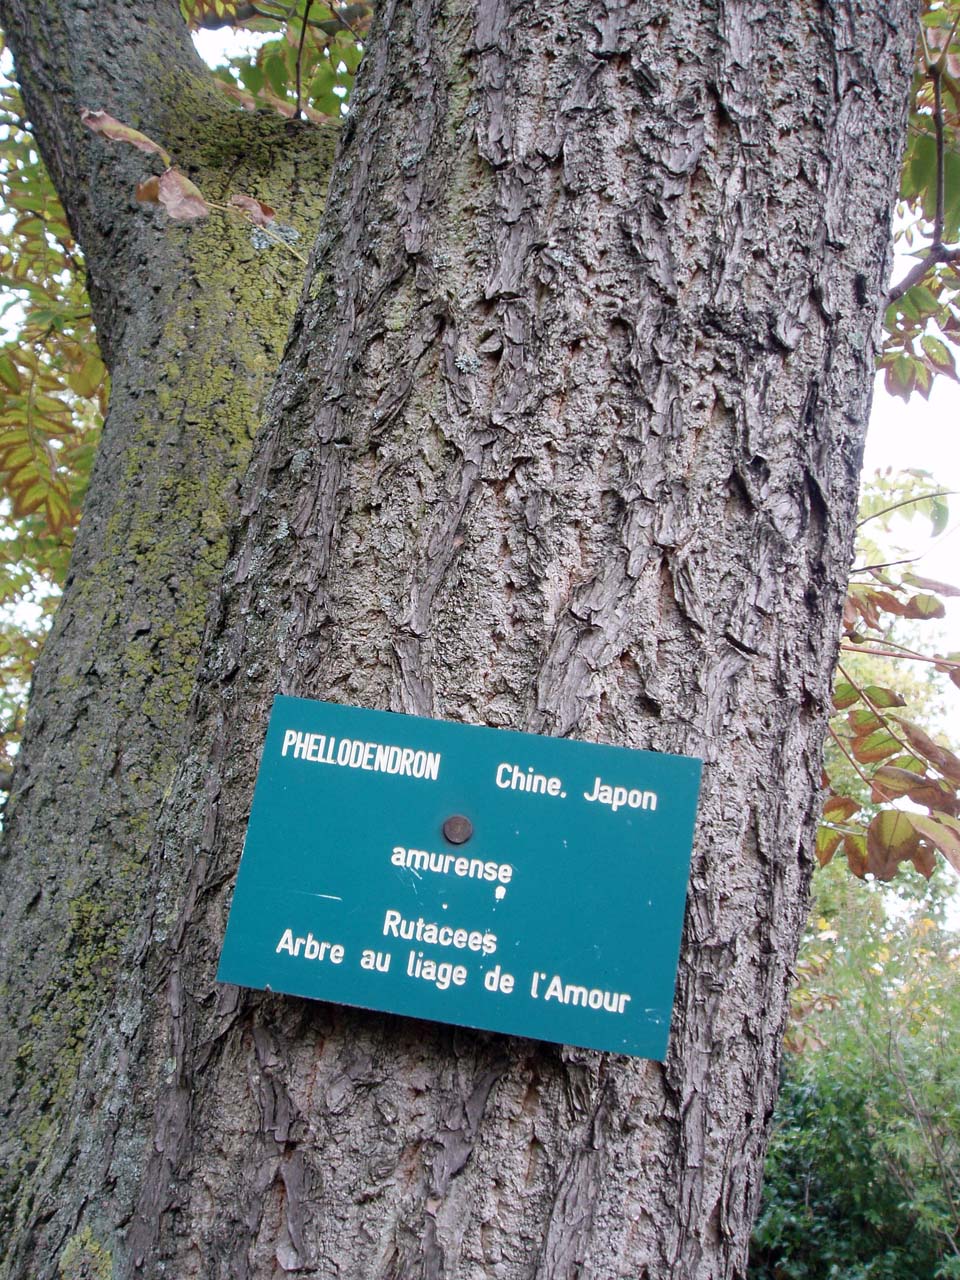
939, 356
9, 374
881, 697
844, 695
85, 380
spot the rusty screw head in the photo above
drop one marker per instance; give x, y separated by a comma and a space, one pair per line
458, 829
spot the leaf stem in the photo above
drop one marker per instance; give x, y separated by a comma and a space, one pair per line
904, 653
835, 736
923, 497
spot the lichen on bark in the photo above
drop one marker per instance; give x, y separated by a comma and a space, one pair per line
194, 330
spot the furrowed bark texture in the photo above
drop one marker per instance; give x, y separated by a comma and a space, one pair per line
567, 440
192, 320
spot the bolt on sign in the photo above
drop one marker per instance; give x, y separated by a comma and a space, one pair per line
523, 884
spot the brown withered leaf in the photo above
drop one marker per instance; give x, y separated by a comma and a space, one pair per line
260, 214
182, 200
116, 131
148, 191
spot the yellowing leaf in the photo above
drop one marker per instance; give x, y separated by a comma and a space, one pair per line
839, 808
828, 841
9, 374
891, 839
881, 697
85, 380
116, 131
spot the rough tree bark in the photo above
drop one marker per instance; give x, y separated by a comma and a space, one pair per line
192, 322
566, 440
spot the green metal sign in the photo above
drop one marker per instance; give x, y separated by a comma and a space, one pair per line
522, 884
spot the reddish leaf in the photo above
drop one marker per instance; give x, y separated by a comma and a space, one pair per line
925, 860
943, 832
182, 200
839, 808
863, 721
891, 839
933, 794
923, 605
942, 759
259, 213
100, 122
844, 695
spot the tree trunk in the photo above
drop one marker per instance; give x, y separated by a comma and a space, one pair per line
192, 320
566, 440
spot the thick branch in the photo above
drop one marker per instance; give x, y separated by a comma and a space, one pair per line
66, 60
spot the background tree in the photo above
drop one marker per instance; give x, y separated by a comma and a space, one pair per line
565, 439
862, 1180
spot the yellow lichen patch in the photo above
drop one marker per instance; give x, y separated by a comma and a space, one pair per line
84, 1258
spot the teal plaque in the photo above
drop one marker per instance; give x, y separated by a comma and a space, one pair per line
523, 884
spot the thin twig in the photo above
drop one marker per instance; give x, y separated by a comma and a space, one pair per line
887, 564
863, 777
335, 9
937, 255
908, 654
936, 73
923, 497
303, 36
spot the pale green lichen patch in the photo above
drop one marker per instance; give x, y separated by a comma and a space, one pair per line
186, 405
84, 1258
